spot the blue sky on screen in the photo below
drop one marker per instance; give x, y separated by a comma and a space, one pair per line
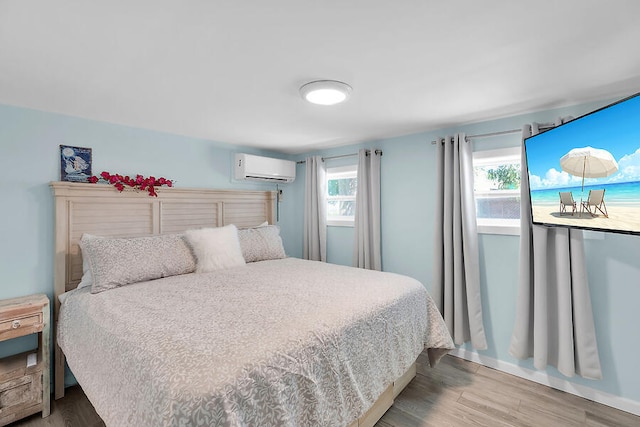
615, 128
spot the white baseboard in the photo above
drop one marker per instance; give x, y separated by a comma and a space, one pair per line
541, 377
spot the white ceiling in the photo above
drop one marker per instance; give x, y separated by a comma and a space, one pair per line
229, 70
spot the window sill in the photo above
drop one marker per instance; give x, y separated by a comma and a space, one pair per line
338, 223
507, 228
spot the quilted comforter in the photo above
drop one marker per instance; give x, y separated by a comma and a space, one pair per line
284, 343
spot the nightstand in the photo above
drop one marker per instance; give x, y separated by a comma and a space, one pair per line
24, 378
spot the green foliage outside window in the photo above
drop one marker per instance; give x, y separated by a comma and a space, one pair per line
342, 187
507, 176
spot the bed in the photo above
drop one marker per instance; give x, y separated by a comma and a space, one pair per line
278, 341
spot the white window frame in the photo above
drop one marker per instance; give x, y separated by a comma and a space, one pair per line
493, 157
337, 172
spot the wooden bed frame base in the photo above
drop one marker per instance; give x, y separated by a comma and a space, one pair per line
385, 400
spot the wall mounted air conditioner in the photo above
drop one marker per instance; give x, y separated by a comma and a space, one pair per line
258, 168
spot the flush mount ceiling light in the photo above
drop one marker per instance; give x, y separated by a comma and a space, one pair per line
325, 92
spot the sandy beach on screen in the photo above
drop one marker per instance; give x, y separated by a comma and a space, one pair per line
620, 217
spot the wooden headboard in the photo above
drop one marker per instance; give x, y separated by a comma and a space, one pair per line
101, 210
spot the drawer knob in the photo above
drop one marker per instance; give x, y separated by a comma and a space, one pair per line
15, 324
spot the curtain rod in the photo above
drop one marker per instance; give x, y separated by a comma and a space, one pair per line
504, 132
340, 156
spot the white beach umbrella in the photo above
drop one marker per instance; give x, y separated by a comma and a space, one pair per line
589, 162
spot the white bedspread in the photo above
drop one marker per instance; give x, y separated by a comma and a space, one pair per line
284, 342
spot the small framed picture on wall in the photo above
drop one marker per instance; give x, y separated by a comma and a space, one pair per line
75, 163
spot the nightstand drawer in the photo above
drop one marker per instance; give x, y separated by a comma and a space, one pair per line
20, 397
24, 377
21, 326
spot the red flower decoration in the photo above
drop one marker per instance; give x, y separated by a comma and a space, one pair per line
139, 183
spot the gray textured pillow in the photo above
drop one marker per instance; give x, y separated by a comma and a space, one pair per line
261, 243
115, 262
87, 279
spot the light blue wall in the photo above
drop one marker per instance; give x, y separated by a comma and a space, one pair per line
29, 150
408, 189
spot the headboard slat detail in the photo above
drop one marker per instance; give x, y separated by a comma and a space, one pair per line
102, 210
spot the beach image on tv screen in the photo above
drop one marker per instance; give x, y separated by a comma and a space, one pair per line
586, 173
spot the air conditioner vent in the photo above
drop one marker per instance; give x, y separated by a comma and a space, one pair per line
258, 168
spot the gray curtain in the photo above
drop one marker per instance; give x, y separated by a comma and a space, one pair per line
554, 321
366, 253
315, 210
456, 272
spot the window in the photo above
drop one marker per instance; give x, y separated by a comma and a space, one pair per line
341, 195
497, 190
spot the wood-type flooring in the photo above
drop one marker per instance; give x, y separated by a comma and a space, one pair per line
454, 393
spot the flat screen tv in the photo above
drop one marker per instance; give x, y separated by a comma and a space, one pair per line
586, 173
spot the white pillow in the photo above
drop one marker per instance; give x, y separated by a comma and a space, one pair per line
215, 248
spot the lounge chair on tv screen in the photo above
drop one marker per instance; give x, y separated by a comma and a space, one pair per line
595, 201
566, 200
